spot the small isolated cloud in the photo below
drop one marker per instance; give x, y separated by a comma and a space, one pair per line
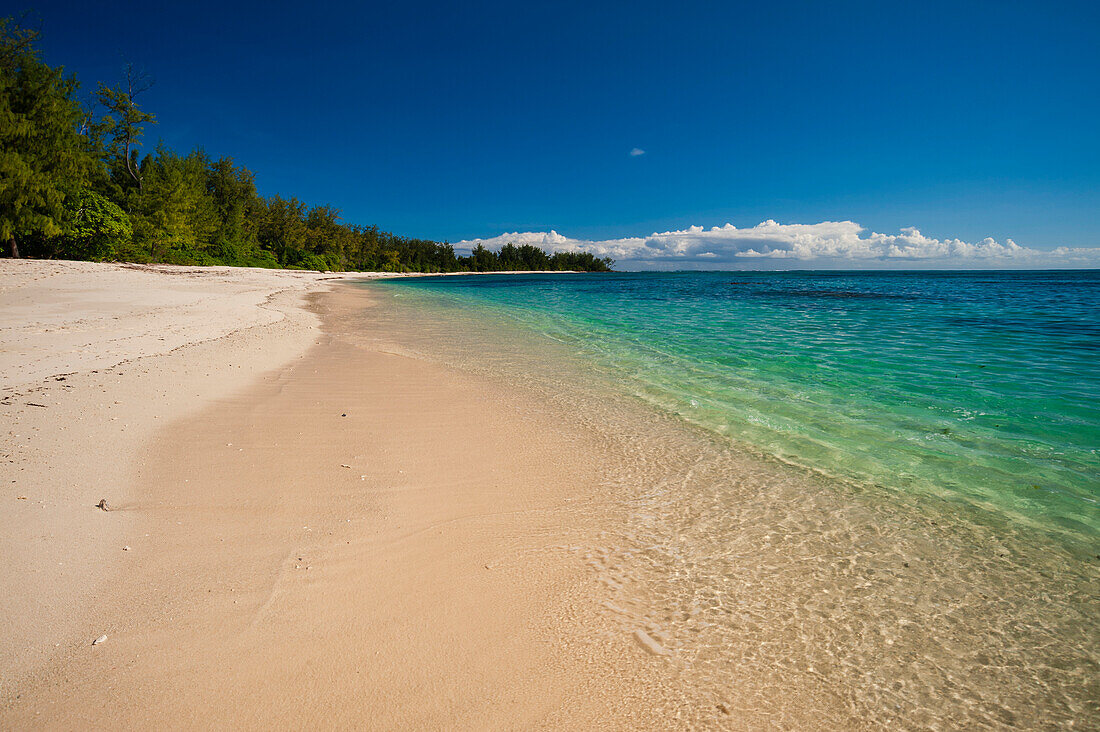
635, 152
825, 245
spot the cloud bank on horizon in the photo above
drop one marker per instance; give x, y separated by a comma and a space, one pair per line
829, 244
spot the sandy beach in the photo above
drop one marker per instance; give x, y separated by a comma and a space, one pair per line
339, 506
304, 529
458, 367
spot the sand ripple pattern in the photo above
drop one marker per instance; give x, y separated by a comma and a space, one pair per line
790, 600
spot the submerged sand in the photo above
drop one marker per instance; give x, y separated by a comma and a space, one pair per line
338, 510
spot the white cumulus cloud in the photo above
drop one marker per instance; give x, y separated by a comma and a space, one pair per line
635, 152
829, 244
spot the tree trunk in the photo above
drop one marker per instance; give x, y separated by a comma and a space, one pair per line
129, 167
14, 247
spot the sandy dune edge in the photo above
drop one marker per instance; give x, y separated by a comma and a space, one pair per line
406, 565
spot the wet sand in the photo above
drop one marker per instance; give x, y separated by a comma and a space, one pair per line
372, 513
356, 539
787, 597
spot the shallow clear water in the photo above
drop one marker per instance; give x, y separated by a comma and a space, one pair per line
815, 499
983, 387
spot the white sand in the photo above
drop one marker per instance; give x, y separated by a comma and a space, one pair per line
93, 359
269, 561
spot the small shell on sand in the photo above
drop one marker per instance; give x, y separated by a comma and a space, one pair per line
646, 641
100, 639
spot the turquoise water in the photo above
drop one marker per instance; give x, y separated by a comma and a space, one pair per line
837, 500
978, 387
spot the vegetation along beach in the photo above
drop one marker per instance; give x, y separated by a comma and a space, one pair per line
342, 389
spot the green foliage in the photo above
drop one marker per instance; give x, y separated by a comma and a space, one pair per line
281, 229
98, 229
233, 193
482, 260
44, 158
174, 216
73, 189
123, 127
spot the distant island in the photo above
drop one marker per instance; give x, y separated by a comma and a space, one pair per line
73, 185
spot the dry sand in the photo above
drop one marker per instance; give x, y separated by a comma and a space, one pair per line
305, 530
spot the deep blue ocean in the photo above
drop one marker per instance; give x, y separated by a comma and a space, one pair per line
982, 387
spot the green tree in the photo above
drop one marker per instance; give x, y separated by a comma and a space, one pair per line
391, 262
233, 193
448, 262
484, 260
44, 157
508, 258
70, 188
175, 217
282, 229
327, 239
98, 229
124, 126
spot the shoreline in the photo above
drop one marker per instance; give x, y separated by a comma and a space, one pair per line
789, 597
431, 557
427, 516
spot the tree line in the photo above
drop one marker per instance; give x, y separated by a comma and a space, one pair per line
75, 184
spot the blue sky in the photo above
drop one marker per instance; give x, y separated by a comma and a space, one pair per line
467, 120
